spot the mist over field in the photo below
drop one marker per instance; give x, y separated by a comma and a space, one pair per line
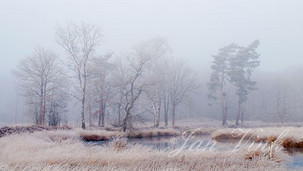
194, 31
137, 79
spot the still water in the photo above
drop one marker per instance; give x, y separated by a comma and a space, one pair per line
204, 143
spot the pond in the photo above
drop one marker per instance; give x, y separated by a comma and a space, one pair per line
296, 161
170, 142
204, 143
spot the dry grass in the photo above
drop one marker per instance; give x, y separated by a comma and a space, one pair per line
7, 130
63, 150
155, 132
199, 131
97, 135
229, 134
288, 137
204, 122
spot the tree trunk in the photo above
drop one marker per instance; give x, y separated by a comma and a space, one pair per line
225, 116
173, 115
158, 115
99, 117
119, 114
44, 103
242, 118
100, 113
37, 116
90, 115
156, 110
155, 116
166, 107
238, 114
41, 105
101, 109
166, 118
159, 110
103, 115
124, 127
40, 113
222, 105
82, 112
125, 120
156, 120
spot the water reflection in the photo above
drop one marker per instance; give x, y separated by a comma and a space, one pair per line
204, 142
161, 143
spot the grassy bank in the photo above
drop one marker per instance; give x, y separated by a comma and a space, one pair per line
64, 150
288, 137
8, 130
97, 135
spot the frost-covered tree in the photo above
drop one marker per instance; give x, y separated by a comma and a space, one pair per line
181, 83
41, 84
80, 43
132, 85
158, 49
135, 76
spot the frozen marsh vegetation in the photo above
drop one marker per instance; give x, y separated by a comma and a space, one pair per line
64, 150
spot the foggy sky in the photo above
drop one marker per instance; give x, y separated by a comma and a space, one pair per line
194, 29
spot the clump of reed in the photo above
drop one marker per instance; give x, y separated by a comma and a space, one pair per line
270, 153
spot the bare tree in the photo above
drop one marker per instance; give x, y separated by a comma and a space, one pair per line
39, 78
131, 81
181, 83
80, 43
132, 87
157, 49
57, 107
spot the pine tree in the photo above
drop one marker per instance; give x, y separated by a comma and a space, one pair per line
241, 67
219, 76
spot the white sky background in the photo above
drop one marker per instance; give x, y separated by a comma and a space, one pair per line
194, 29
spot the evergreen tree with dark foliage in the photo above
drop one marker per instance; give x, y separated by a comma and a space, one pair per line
219, 76
241, 67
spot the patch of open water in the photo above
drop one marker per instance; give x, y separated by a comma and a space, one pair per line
204, 143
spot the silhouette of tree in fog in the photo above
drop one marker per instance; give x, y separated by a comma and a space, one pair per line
41, 84
242, 66
219, 77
